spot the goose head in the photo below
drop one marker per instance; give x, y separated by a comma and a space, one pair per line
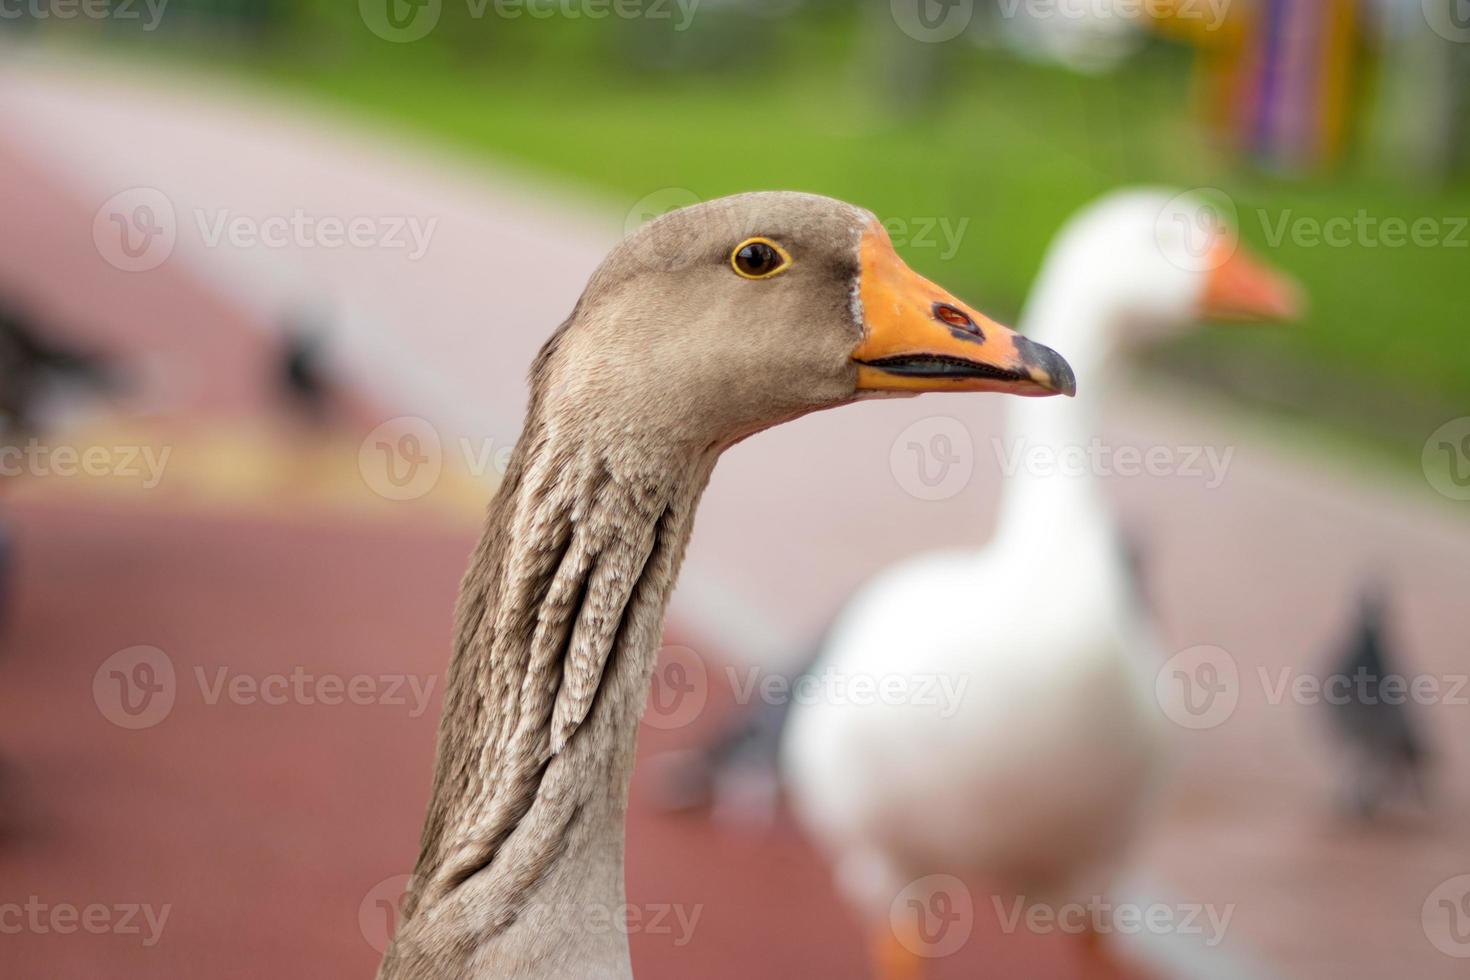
721, 319
1149, 263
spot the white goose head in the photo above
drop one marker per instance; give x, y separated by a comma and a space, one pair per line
1141, 264
1134, 267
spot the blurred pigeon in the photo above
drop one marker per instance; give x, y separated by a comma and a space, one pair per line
302, 379
1135, 561
735, 774
33, 366
1370, 712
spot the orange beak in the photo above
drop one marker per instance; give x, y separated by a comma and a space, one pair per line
918, 338
1242, 287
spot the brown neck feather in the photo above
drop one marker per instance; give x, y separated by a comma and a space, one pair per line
558, 622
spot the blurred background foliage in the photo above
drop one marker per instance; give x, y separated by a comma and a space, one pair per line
828, 97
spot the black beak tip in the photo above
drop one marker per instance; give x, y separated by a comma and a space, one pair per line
1044, 361
1062, 376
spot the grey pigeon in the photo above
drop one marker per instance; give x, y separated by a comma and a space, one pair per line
1370, 710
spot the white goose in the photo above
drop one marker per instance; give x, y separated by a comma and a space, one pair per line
1034, 784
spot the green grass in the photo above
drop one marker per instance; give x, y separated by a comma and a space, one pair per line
1014, 149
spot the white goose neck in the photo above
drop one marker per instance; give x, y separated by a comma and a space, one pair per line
1050, 443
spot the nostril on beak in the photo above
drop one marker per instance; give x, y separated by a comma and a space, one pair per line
957, 320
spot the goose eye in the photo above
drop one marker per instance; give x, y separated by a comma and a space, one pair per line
757, 258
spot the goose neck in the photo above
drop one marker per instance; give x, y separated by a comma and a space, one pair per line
1049, 444
558, 625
